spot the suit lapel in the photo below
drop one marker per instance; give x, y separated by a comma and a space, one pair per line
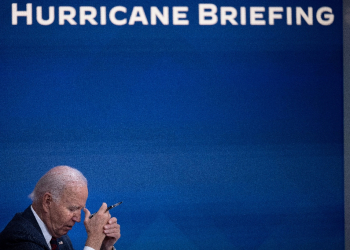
29, 216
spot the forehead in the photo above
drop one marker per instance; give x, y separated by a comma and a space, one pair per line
74, 195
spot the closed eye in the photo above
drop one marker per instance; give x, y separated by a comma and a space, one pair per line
73, 209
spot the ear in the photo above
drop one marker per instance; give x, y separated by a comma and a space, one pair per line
47, 201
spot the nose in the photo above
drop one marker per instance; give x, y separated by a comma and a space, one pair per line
77, 216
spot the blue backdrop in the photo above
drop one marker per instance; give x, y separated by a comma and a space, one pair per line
214, 136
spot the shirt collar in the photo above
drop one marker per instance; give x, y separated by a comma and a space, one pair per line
43, 228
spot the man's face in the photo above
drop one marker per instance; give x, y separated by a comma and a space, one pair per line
67, 210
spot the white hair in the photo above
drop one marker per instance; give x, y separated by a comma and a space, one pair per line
55, 181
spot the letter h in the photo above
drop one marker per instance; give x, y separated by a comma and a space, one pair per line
27, 13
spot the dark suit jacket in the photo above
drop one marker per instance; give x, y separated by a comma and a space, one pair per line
23, 232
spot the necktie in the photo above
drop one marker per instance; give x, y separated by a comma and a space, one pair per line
54, 244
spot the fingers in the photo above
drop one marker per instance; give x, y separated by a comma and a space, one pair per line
112, 220
112, 232
111, 224
112, 229
87, 213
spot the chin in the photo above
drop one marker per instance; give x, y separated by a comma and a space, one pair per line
63, 232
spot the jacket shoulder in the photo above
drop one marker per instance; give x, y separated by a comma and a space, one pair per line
22, 233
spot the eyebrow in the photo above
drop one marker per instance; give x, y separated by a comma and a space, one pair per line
75, 207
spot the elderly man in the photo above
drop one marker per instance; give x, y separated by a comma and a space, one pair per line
58, 198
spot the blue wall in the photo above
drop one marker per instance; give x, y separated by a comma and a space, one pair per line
214, 136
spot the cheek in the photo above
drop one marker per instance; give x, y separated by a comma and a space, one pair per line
62, 217
67, 216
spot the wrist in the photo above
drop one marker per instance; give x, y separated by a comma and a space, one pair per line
107, 248
94, 243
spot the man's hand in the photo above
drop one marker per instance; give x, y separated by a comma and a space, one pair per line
112, 232
95, 226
